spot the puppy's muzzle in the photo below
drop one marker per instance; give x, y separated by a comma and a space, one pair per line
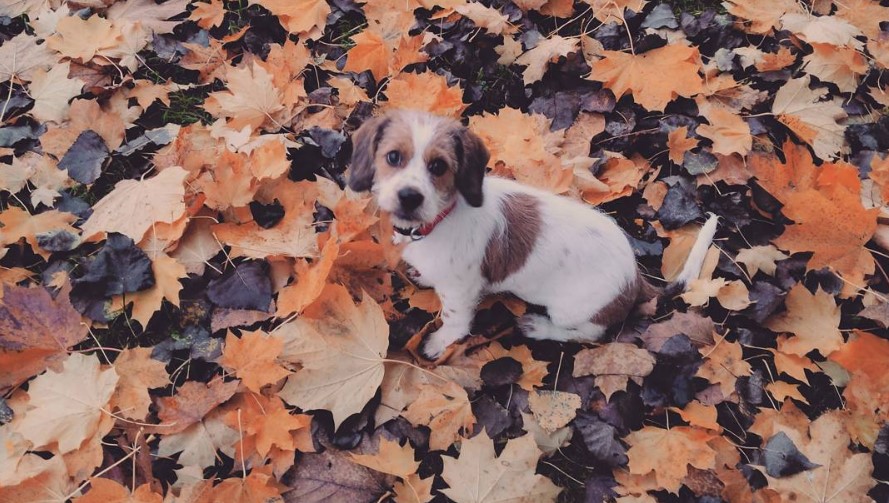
409, 199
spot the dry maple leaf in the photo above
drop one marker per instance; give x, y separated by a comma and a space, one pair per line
21, 57
814, 319
138, 372
822, 29
309, 284
866, 15
723, 365
614, 365
548, 442
760, 16
208, 15
865, 357
251, 99
19, 224
293, 236
342, 346
553, 409
445, 409
66, 407
841, 65
528, 152
812, 120
477, 476
391, 458
134, 206
265, 424
760, 258
253, 358
197, 444
257, 487
668, 453
35, 330
370, 52
833, 224
620, 176
51, 92
192, 401
729, 132
299, 16
612, 11
425, 91
546, 51
678, 143
839, 474
698, 329
654, 78
487, 18
78, 38
110, 491
167, 273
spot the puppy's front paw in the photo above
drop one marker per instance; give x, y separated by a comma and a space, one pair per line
436, 343
535, 326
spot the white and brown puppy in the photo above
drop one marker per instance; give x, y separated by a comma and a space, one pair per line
471, 235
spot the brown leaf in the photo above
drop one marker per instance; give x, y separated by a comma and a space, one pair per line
138, 373
814, 320
614, 365
445, 409
654, 78
478, 476
341, 347
253, 358
668, 453
553, 409
192, 401
66, 407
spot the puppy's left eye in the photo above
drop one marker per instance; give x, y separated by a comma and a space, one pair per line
437, 167
393, 158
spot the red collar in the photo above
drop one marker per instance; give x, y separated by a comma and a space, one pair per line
424, 230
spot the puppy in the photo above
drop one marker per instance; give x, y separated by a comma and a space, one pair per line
471, 235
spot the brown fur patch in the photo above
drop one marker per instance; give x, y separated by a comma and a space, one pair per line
508, 252
398, 137
619, 308
442, 148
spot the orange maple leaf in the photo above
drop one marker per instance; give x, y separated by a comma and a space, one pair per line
425, 91
654, 78
668, 453
253, 358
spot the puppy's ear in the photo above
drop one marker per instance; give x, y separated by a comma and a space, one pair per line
364, 147
473, 157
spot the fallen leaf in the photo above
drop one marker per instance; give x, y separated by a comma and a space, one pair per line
253, 358
391, 458
644, 75
477, 476
138, 373
341, 347
814, 320
614, 365
812, 120
553, 409
66, 407
537, 59
445, 409
134, 206
669, 453
723, 365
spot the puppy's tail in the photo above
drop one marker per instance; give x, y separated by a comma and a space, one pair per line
695, 260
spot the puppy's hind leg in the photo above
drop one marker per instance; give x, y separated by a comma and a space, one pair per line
540, 327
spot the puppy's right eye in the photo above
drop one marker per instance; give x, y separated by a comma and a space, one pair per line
393, 158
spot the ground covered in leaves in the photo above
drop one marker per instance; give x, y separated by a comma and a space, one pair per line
194, 310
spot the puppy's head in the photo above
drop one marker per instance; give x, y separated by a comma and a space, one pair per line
416, 164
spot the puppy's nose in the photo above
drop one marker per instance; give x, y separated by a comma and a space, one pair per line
410, 198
